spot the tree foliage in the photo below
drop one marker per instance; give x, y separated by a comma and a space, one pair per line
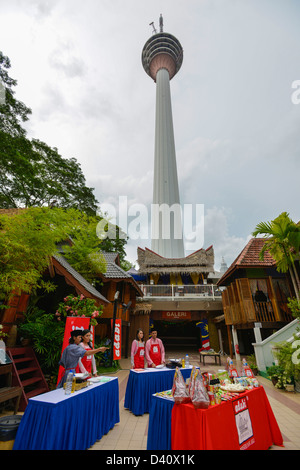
31, 172
29, 238
12, 112
282, 242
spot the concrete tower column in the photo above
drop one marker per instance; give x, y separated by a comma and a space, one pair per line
166, 217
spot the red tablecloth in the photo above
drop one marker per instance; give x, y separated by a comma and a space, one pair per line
244, 423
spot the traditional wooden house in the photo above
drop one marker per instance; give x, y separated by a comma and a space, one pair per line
180, 298
255, 296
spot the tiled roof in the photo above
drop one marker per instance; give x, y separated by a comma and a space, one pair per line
249, 257
91, 289
113, 270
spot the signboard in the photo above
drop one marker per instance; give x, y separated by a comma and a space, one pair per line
72, 323
117, 339
243, 422
174, 315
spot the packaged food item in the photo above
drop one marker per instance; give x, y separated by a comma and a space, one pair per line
179, 391
205, 378
223, 377
252, 382
165, 394
198, 392
241, 381
246, 370
218, 397
231, 369
191, 381
237, 388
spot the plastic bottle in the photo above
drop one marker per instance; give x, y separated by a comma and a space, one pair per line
69, 382
73, 383
183, 363
187, 361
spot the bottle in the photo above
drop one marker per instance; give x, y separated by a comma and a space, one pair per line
187, 361
183, 363
73, 383
69, 382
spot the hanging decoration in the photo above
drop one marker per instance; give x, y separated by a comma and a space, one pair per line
195, 278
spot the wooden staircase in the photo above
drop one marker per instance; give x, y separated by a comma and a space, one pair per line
26, 374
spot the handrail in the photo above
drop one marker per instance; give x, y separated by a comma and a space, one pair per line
210, 291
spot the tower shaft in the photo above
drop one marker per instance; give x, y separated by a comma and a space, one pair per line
166, 216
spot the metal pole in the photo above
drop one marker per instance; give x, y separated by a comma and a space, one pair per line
113, 328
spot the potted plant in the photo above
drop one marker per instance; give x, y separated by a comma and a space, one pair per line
46, 335
79, 307
285, 358
275, 373
252, 363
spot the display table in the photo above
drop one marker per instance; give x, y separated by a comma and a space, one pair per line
247, 422
55, 421
159, 427
216, 357
142, 385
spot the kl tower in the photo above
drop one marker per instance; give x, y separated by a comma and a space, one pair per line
162, 58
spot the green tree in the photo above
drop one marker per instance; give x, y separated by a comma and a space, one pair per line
282, 242
12, 112
27, 241
115, 241
84, 254
31, 172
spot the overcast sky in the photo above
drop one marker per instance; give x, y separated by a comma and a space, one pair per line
237, 131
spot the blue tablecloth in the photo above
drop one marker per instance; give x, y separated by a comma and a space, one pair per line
55, 421
142, 385
159, 428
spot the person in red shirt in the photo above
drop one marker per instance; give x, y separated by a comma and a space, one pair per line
87, 364
155, 351
138, 351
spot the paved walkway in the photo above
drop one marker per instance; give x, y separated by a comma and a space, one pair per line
131, 432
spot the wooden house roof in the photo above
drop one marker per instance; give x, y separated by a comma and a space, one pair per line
116, 273
201, 261
249, 258
73, 277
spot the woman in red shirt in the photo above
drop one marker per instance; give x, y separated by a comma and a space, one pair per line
138, 351
87, 363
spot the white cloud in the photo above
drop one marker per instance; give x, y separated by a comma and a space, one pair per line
218, 234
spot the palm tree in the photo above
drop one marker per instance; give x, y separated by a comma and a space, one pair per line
283, 243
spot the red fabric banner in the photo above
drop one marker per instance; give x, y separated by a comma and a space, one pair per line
117, 339
72, 323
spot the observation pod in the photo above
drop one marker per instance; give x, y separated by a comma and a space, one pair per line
162, 50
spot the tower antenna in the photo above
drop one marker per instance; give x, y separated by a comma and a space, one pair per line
154, 30
161, 24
